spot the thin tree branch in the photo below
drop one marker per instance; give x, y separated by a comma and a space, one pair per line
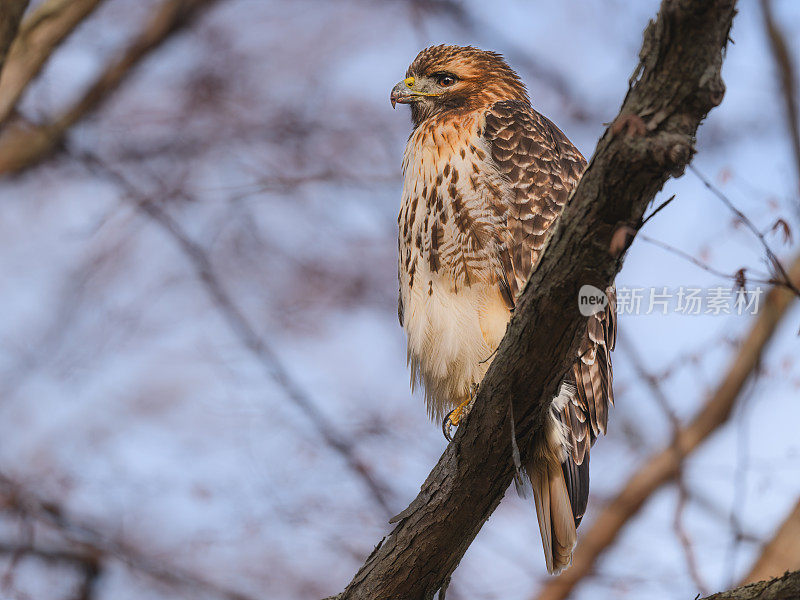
782, 553
675, 85
86, 563
786, 70
39, 36
664, 465
733, 277
773, 261
24, 145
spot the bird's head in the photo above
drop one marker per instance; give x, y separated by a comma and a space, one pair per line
456, 78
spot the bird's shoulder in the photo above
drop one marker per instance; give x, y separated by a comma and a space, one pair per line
522, 140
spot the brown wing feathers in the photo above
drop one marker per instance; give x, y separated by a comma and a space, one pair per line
542, 167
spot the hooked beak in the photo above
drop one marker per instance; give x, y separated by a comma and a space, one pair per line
403, 92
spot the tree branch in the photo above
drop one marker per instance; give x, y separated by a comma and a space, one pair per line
674, 86
781, 553
10, 17
786, 587
783, 61
23, 145
40, 34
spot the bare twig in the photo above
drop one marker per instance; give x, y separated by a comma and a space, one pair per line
773, 261
85, 562
658, 209
786, 70
734, 277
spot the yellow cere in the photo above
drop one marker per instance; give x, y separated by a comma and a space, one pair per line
409, 81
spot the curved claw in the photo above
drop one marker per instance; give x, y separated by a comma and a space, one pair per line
447, 425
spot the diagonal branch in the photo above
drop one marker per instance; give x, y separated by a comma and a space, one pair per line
782, 553
10, 17
39, 36
674, 86
783, 60
22, 145
665, 465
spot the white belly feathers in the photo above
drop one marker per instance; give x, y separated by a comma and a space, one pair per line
451, 236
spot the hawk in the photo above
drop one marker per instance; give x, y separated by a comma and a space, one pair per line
485, 178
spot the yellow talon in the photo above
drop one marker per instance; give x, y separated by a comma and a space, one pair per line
453, 418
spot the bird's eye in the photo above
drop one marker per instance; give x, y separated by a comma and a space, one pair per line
446, 80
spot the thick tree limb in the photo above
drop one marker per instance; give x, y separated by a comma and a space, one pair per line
39, 35
665, 465
675, 85
786, 587
782, 553
10, 17
22, 146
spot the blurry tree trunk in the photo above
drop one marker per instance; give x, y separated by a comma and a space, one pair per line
782, 553
10, 16
786, 587
674, 86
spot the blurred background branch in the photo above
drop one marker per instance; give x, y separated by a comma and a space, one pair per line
40, 35
665, 465
24, 144
10, 18
781, 553
787, 74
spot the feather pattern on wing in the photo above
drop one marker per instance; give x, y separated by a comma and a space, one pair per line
543, 167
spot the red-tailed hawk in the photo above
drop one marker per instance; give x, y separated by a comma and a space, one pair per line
485, 177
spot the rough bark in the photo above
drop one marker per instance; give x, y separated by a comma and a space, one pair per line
786, 587
664, 466
674, 86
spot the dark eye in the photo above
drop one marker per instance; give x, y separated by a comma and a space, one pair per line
446, 80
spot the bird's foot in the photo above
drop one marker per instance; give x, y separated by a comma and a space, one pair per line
455, 416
